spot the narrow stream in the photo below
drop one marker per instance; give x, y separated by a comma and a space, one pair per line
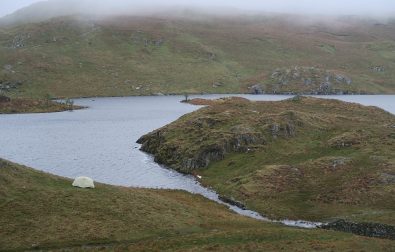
99, 142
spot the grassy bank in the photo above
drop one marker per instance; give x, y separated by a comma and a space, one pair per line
41, 211
24, 105
303, 158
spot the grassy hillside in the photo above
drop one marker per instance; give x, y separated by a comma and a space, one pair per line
75, 56
306, 158
41, 211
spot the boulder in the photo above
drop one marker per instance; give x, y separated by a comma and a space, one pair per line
257, 89
83, 182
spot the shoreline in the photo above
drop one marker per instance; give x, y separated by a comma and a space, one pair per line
198, 94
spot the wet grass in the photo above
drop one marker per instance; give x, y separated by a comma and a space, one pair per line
42, 211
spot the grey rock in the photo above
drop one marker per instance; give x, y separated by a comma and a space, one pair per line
378, 69
19, 41
387, 178
343, 79
325, 87
8, 67
364, 229
9, 85
217, 84
340, 162
275, 130
232, 202
257, 89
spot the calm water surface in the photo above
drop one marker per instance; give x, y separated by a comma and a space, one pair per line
100, 142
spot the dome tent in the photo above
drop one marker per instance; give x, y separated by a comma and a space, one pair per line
83, 182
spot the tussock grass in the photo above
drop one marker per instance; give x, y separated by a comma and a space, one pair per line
42, 211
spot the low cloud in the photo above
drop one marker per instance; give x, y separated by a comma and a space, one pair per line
376, 8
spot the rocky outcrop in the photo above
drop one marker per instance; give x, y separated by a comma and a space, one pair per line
141, 38
208, 137
20, 41
217, 84
286, 130
256, 89
378, 69
316, 80
345, 140
7, 86
168, 154
239, 139
365, 229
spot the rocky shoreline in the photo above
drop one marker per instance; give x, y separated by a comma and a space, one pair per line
232, 202
368, 229
376, 230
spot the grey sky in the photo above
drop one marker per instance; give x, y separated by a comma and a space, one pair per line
358, 7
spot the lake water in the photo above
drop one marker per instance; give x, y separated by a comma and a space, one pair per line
100, 142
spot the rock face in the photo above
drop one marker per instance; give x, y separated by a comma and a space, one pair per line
364, 229
83, 182
309, 80
210, 138
169, 154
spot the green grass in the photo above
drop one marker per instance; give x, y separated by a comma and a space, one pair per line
68, 57
42, 211
328, 160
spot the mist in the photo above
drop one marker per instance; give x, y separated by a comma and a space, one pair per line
373, 8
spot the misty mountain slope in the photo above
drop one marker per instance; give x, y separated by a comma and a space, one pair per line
41, 11
125, 55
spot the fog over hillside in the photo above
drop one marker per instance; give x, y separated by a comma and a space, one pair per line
52, 8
